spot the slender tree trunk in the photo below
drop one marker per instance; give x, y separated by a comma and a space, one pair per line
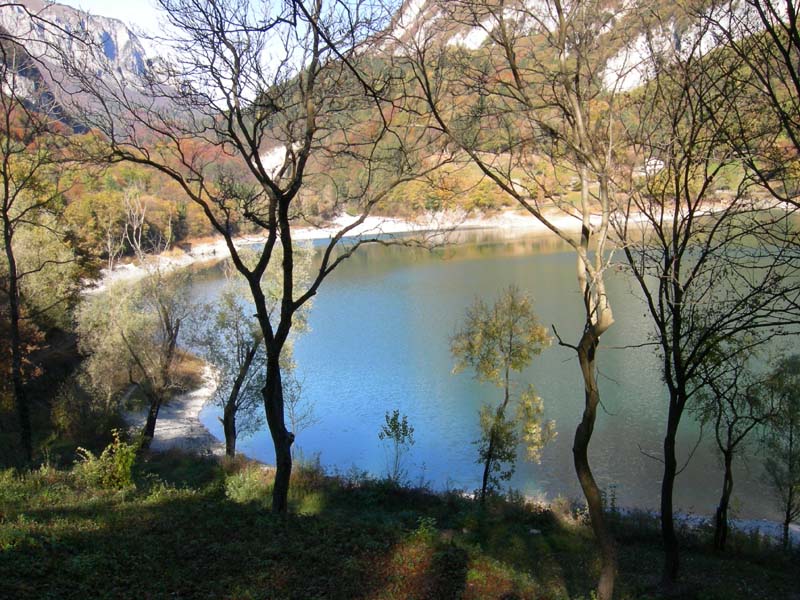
18, 384
721, 517
787, 519
487, 465
493, 438
786, 522
157, 396
669, 574
149, 430
231, 406
580, 449
282, 438
229, 427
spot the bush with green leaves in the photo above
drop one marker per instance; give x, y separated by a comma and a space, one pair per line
247, 484
113, 469
399, 436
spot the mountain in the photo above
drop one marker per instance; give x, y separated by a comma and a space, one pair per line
34, 35
627, 30
43, 26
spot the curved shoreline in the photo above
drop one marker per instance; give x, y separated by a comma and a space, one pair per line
179, 427
436, 224
179, 424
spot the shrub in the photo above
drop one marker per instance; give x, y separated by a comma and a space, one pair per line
399, 435
113, 469
249, 484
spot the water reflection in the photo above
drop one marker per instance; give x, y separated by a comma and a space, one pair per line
379, 340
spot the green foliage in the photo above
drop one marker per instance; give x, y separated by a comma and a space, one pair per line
505, 336
113, 469
247, 485
493, 342
782, 440
400, 437
127, 335
536, 433
426, 530
368, 540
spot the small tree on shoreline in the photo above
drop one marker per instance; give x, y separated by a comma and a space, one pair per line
734, 403
493, 342
399, 434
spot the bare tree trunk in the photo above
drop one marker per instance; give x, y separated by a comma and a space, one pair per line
487, 466
282, 438
229, 427
493, 436
671, 555
231, 406
788, 517
149, 430
580, 449
721, 516
20, 398
786, 522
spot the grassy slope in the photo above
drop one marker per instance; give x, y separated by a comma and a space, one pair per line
191, 529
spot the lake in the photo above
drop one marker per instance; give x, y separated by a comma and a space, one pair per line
379, 340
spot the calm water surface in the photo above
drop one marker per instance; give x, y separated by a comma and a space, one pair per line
379, 340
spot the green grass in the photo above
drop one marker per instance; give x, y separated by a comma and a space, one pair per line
192, 528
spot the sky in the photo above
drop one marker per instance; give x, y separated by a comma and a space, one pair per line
140, 14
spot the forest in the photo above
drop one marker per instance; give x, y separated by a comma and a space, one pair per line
655, 143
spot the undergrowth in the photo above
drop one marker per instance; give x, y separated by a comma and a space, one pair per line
188, 527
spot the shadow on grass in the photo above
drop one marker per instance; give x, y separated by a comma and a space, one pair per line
188, 543
356, 539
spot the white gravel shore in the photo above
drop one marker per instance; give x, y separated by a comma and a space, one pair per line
178, 424
507, 219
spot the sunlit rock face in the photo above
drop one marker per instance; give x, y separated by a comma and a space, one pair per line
625, 47
38, 38
45, 28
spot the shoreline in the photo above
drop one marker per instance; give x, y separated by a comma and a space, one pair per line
179, 427
437, 224
179, 424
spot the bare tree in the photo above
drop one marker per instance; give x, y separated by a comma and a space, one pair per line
717, 273
231, 340
252, 105
734, 403
536, 108
763, 34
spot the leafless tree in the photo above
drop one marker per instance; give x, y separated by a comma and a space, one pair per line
535, 106
763, 35
718, 274
252, 105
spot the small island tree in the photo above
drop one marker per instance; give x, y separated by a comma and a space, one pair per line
493, 342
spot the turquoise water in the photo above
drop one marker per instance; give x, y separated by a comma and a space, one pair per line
379, 340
